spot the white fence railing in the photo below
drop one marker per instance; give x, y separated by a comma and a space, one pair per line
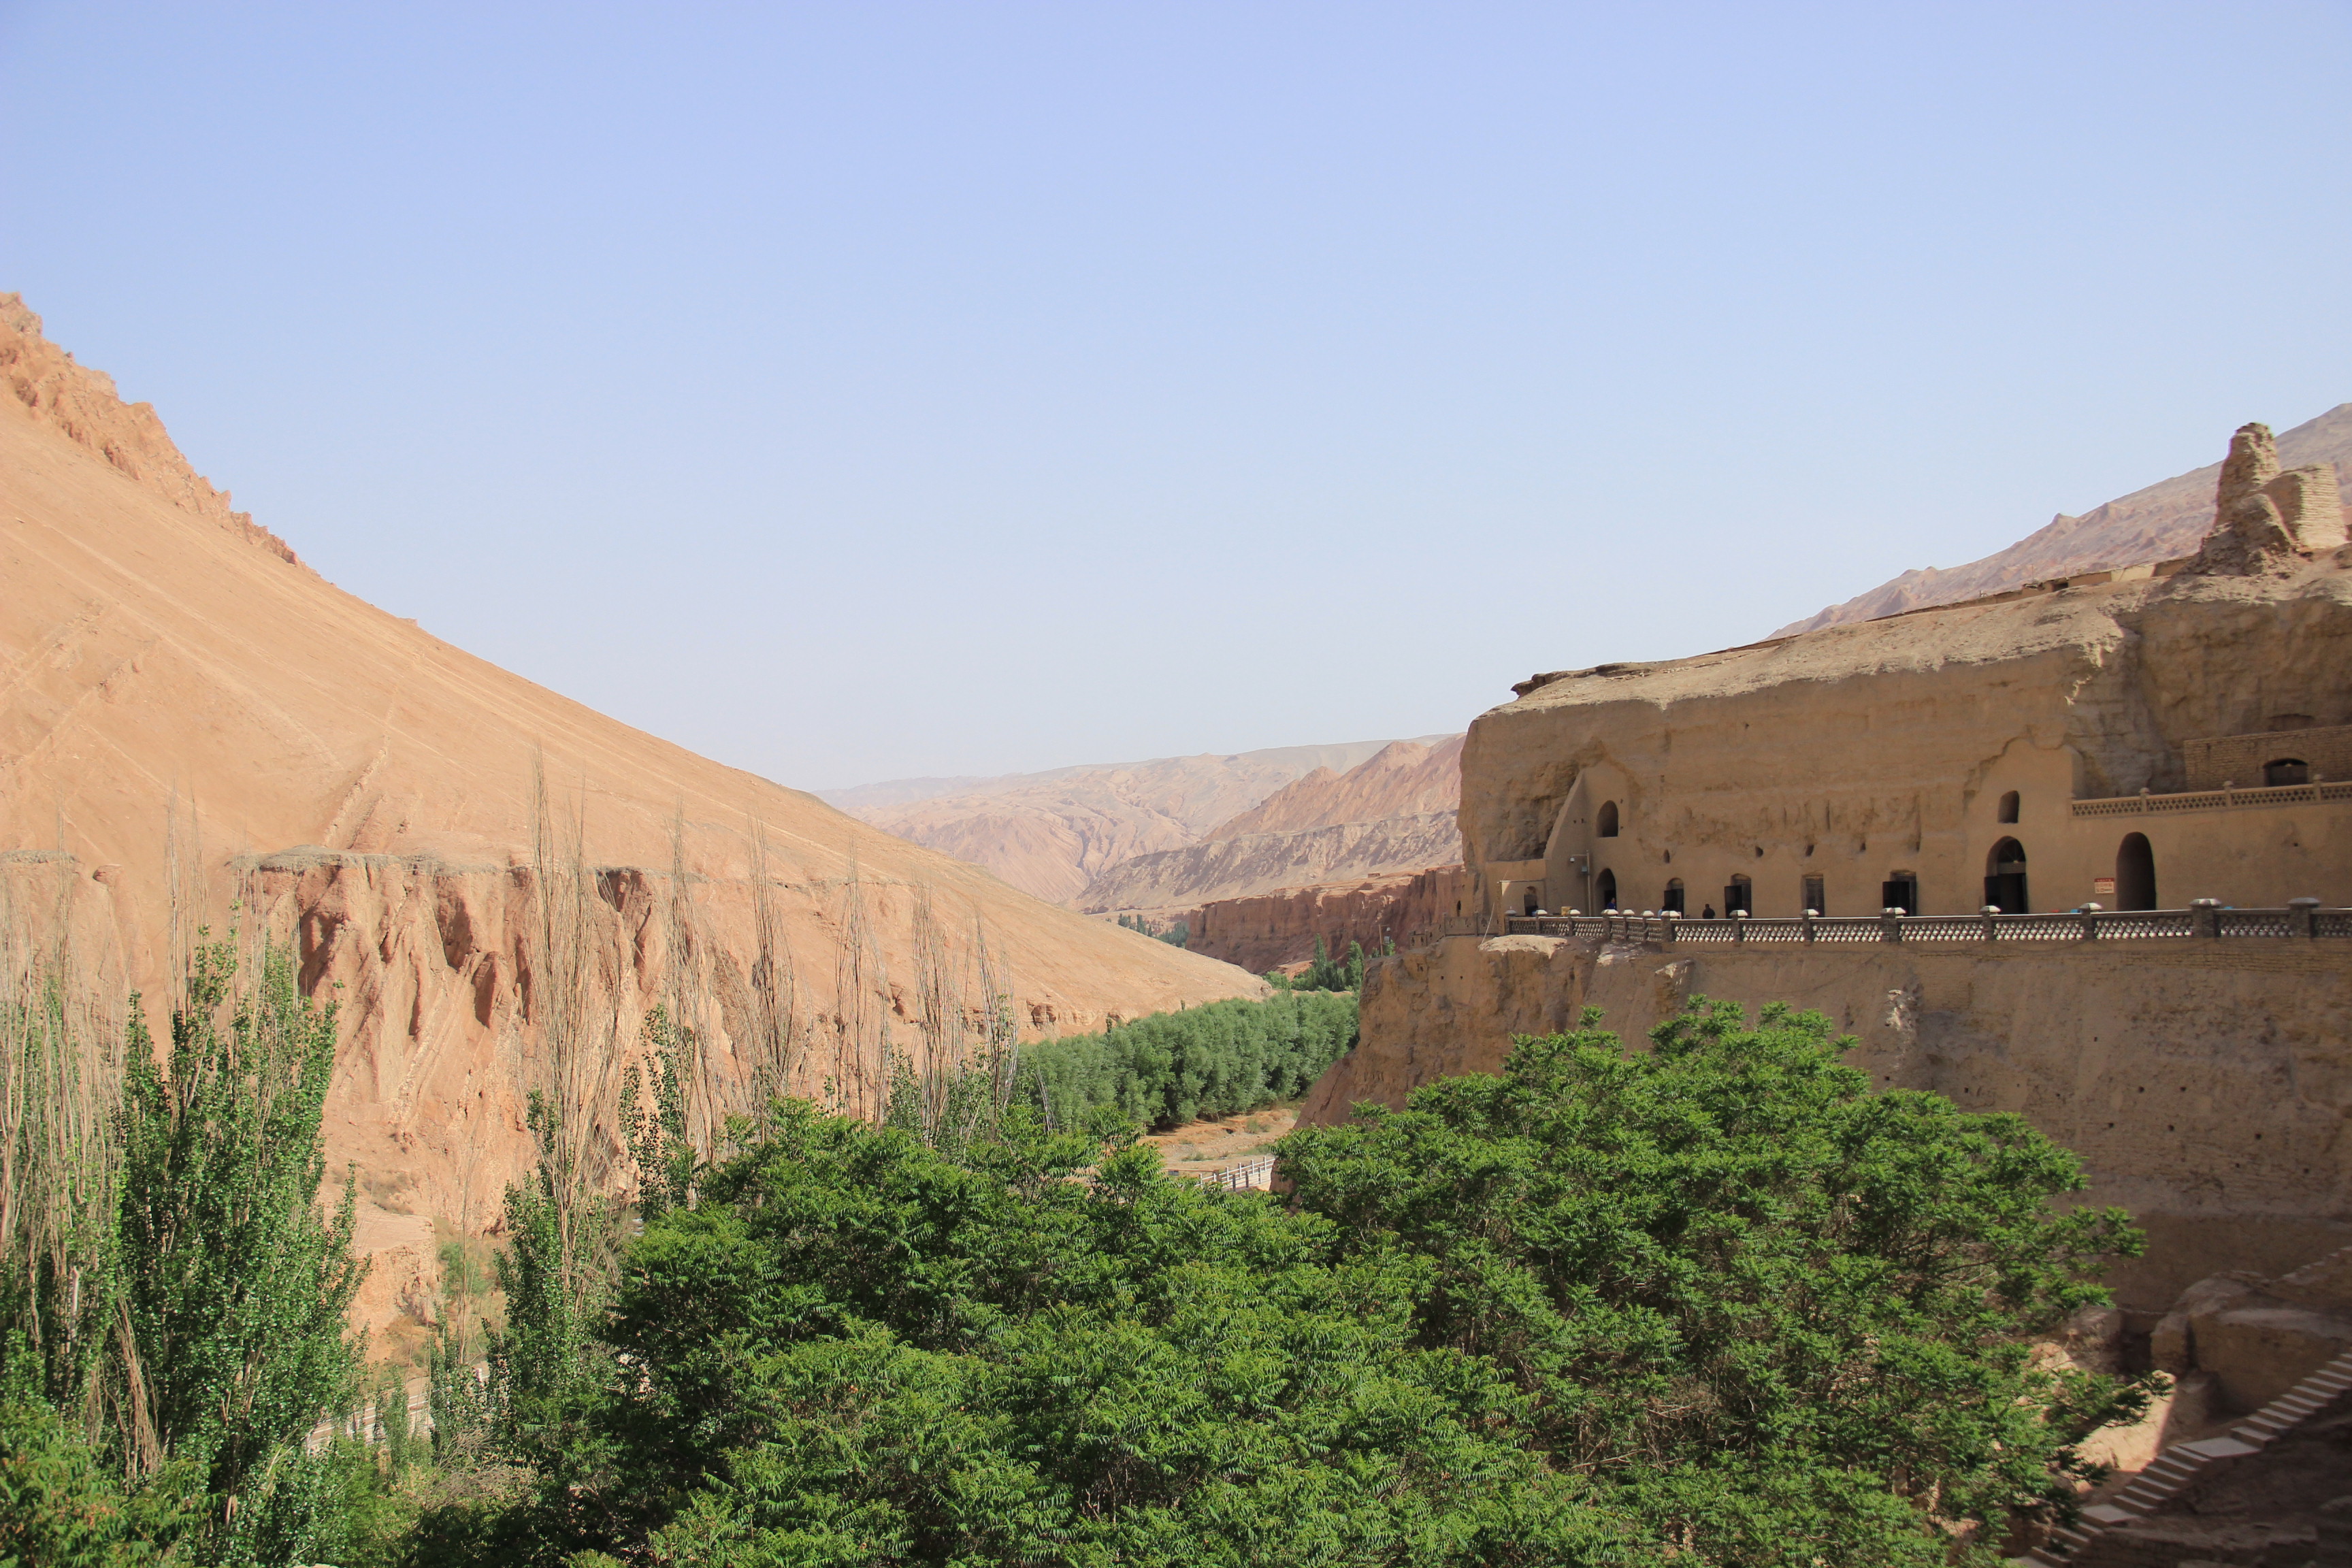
2206, 918
2234, 799
1250, 1175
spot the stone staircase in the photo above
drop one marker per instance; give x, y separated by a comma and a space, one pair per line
2180, 1466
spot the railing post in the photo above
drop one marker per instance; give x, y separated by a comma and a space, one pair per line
2205, 917
1890, 924
2089, 915
1991, 931
1810, 916
1666, 927
1739, 925
2299, 917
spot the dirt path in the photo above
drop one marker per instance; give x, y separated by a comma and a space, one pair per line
1219, 1144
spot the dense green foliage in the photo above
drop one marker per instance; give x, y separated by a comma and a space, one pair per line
1172, 1067
1772, 1314
859, 1351
62, 1505
219, 1285
1714, 1302
234, 1285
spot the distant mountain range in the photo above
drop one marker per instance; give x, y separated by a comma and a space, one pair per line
1052, 833
2164, 521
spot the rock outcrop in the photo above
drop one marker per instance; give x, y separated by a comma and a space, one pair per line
2264, 519
184, 708
1268, 931
2162, 522
82, 405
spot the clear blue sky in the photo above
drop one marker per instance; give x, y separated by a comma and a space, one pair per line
861, 390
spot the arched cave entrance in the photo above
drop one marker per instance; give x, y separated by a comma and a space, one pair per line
1527, 905
1605, 824
2005, 878
2136, 874
1605, 889
1739, 897
2285, 771
1674, 896
1900, 891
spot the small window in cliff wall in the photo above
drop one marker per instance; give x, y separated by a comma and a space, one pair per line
1817, 896
1605, 824
1606, 889
2008, 807
1674, 896
2287, 770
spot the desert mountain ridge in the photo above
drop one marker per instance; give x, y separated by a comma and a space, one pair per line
2163, 521
1404, 778
1050, 834
187, 708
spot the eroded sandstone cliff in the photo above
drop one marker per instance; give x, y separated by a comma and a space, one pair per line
183, 703
1271, 930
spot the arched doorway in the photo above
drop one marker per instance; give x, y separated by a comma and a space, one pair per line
2136, 874
1606, 889
1739, 897
2005, 878
1674, 896
1605, 824
1529, 902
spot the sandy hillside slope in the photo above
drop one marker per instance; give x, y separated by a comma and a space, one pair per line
1405, 779
1391, 814
354, 779
2166, 520
1050, 834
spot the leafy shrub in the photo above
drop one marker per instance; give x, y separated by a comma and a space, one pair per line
1779, 1318
859, 1351
1170, 1069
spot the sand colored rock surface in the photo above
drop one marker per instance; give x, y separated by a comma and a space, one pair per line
1405, 779
369, 788
1050, 834
2163, 521
2207, 1092
1268, 931
1863, 754
1390, 815
1266, 862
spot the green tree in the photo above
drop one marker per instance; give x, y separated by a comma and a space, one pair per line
235, 1285
1168, 1068
1782, 1319
63, 1504
857, 1350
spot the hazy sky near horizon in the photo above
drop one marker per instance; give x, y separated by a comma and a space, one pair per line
859, 391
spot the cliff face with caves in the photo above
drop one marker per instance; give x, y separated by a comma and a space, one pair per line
187, 708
